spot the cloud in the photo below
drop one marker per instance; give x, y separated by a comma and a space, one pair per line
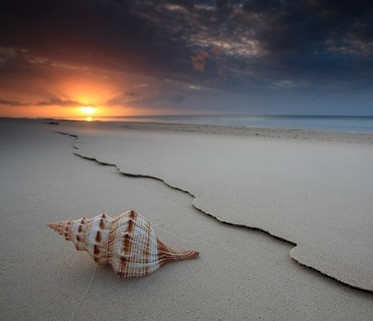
199, 60
304, 26
54, 101
7, 102
240, 46
194, 87
284, 84
7, 53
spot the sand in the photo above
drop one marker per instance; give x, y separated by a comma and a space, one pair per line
314, 191
241, 274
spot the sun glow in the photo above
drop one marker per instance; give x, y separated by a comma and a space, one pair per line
88, 110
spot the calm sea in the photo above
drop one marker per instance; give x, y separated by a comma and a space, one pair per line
329, 123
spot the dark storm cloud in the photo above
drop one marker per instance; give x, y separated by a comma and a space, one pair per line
103, 33
234, 45
167, 36
308, 25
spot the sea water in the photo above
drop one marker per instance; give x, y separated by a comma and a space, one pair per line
312, 122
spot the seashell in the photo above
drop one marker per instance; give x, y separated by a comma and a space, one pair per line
127, 242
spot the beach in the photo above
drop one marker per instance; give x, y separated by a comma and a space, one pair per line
282, 220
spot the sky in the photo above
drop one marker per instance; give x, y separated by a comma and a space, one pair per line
127, 57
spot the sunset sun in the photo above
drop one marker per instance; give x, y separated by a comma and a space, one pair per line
88, 110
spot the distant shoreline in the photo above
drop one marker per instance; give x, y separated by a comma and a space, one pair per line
258, 132
286, 133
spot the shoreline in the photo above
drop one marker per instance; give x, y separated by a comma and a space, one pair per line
257, 132
280, 133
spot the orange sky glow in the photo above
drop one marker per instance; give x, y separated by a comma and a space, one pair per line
68, 112
57, 89
88, 99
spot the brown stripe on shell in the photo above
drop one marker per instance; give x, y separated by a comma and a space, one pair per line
66, 228
123, 265
127, 250
111, 238
98, 237
102, 224
96, 250
127, 238
147, 249
130, 226
80, 228
127, 243
132, 214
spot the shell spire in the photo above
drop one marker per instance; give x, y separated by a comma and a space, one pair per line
53, 226
127, 242
63, 228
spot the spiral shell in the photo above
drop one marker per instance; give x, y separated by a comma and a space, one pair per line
127, 242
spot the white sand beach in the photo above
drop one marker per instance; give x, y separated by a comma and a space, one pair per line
288, 199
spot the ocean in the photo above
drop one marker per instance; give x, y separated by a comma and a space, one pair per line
313, 122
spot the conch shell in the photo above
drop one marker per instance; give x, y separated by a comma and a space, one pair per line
127, 242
